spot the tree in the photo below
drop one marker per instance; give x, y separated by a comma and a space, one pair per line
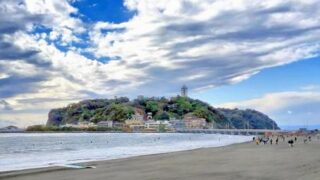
203, 112
152, 106
163, 116
184, 106
115, 112
162, 128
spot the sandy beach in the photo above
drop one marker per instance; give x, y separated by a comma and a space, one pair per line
241, 161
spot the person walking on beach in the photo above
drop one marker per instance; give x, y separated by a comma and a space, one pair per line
295, 139
290, 142
257, 142
265, 140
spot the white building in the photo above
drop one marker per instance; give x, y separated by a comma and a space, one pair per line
149, 116
108, 124
151, 124
80, 125
178, 124
137, 117
195, 123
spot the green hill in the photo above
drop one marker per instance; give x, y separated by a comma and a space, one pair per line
248, 118
122, 108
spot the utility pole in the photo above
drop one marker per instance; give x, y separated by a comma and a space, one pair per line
273, 125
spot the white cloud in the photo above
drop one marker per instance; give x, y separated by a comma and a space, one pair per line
201, 43
228, 40
4, 105
3, 75
56, 15
6, 123
23, 119
311, 87
292, 107
276, 101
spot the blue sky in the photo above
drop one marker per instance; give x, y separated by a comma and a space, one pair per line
103, 10
288, 77
298, 76
234, 54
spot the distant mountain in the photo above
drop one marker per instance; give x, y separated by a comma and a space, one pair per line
10, 129
122, 108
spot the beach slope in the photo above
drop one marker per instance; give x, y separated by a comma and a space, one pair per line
241, 161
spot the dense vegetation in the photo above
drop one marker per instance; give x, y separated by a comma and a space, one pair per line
122, 108
248, 118
53, 128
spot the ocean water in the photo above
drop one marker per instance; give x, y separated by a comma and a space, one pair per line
24, 151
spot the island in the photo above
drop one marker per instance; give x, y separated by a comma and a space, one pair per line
150, 114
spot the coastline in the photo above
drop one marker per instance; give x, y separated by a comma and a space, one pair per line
52, 149
237, 161
40, 170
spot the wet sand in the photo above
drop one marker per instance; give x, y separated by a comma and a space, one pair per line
245, 161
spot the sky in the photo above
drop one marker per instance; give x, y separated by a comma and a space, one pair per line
255, 54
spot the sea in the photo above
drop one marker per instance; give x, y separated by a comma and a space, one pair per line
35, 150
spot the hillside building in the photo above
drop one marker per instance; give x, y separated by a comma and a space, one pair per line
195, 123
178, 124
108, 124
149, 116
134, 125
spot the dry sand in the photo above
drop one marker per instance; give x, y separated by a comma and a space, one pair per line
236, 162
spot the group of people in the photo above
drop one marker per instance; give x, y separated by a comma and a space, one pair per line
271, 140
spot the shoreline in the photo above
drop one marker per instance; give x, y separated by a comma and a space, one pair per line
236, 161
83, 162
20, 172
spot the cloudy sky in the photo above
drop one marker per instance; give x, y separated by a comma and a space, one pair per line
231, 53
